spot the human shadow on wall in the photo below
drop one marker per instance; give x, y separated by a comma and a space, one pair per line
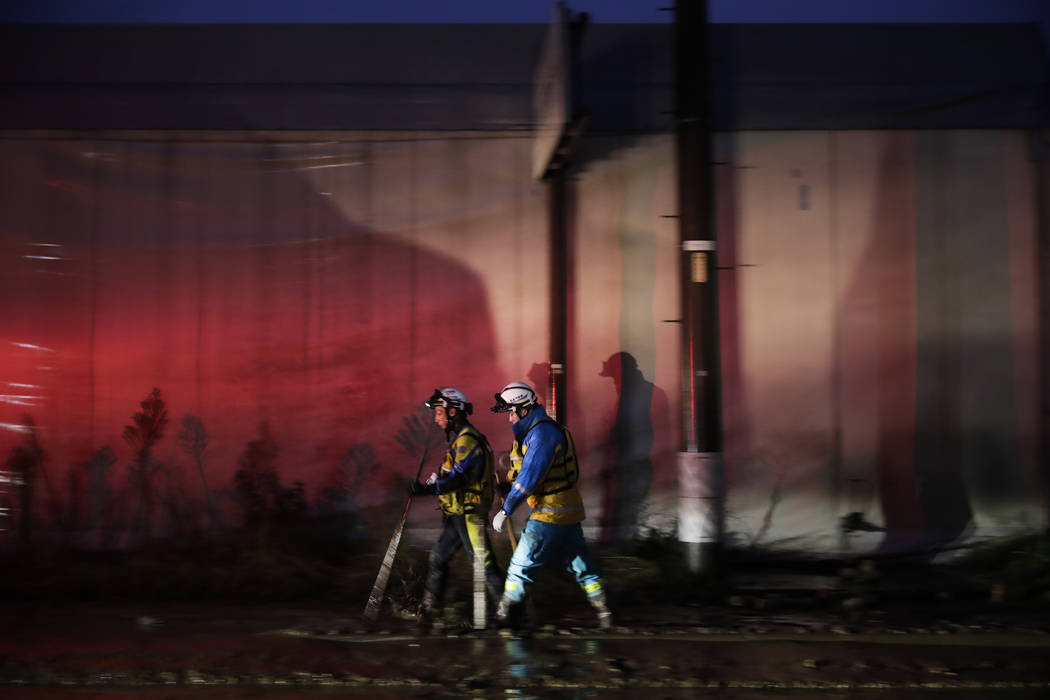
877, 314
940, 379
628, 476
300, 312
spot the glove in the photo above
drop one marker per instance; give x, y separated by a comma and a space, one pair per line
433, 478
417, 489
497, 522
503, 488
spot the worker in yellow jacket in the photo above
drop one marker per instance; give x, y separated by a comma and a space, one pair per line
464, 487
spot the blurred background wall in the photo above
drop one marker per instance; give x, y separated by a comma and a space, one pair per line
285, 282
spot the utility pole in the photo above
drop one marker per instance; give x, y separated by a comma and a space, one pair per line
557, 226
701, 473
560, 120
1040, 148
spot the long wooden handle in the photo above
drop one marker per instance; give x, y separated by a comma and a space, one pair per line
375, 598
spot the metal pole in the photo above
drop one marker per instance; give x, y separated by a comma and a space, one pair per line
1041, 154
701, 482
557, 223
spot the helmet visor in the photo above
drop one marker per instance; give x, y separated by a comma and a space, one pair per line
439, 398
436, 399
501, 405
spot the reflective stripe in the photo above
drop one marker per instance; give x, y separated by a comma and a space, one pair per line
475, 492
517, 487
555, 499
558, 510
544, 543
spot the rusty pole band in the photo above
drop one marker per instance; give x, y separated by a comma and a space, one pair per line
701, 521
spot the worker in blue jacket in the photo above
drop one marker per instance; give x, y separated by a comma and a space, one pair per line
547, 482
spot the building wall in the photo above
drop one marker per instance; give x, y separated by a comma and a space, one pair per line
323, 288
882, 301
626, 354
878, 297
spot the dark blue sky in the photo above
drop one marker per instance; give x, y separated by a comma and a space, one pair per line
515, 10
454, 11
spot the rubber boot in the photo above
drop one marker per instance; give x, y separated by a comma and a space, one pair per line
601, 607
508, 614
493, 599
427, 613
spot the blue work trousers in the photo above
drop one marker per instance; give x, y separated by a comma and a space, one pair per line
542, 543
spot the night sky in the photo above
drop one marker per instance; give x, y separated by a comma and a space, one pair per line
454, 11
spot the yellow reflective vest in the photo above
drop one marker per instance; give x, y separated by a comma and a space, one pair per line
556, 500
472, 451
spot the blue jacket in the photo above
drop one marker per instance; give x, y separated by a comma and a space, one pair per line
543, 444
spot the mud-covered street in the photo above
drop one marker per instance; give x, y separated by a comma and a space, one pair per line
833, 629
233, 651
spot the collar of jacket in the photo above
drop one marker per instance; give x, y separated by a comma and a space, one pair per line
454, 435
525, 424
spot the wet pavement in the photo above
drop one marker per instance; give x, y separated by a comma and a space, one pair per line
894, 633
813, 642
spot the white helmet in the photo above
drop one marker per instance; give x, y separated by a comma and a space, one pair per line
514, 395
449, 397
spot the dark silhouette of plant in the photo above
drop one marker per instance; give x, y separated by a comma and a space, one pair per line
344, 482
98, 490
418, 432
148, 429
24, 461
291, 503
179, 516
75, 500
256, 481
193, 439
335, 518
272, 514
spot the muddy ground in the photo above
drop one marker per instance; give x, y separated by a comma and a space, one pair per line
246, 620
900, 632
